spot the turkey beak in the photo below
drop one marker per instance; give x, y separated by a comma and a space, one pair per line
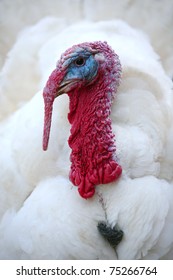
55, 86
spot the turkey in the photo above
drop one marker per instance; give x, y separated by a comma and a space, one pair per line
47, 214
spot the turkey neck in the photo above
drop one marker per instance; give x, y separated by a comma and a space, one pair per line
93, 155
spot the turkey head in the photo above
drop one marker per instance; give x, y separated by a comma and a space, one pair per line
90, 74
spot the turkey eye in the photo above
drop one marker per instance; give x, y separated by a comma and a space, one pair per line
80, 61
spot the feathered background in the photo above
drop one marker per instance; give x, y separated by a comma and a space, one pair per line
154, 17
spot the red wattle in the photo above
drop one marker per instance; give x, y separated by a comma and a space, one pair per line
92, 141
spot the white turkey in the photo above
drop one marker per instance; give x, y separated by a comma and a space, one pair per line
43, 215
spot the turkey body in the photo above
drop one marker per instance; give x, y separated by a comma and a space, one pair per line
42, 215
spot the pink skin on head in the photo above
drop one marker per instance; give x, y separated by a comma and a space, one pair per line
93, 158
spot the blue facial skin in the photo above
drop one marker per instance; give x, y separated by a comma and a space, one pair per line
81, 66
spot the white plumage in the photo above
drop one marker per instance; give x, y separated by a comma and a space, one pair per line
43, 216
